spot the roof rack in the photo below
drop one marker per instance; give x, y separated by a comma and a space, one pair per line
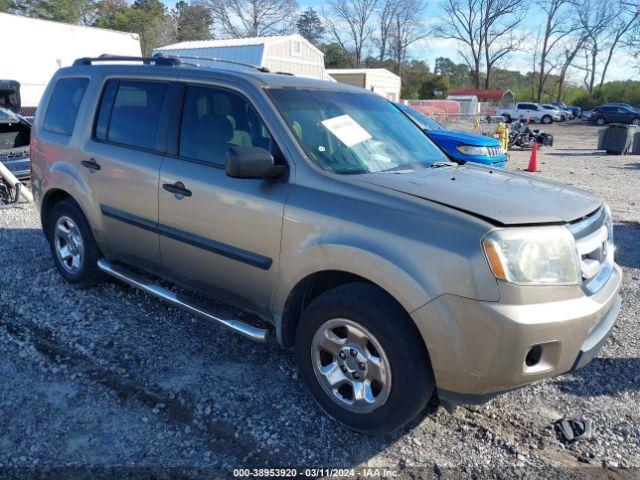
213, 59
159, 60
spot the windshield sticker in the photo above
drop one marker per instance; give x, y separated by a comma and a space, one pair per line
347, 130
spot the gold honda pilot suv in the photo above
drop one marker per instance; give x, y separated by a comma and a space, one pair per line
397, 276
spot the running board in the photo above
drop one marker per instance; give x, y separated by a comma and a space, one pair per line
253, 333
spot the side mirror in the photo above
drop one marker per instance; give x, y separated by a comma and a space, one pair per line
251, 162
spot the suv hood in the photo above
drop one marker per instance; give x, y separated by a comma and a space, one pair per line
463, 137
502, 197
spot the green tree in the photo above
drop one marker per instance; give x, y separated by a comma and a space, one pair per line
66, 11
434, 86
193, 22
5, 5
335, 56
458, 74
414, 75
310, 26
148, 18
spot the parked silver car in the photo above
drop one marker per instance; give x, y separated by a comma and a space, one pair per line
321, 208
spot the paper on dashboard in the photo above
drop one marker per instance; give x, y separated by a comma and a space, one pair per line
347, 130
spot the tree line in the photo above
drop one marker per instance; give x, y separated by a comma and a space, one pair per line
582, 35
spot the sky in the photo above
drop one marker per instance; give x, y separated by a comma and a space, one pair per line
622, 66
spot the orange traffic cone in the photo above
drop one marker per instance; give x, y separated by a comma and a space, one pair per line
533, 161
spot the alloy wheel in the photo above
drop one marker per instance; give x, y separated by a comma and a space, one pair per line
351, 365
68, 244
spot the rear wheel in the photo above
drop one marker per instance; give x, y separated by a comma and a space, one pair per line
506, 118
73, 247
600, 121
363, 359
636, 121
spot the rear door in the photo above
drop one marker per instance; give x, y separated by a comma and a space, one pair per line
525, 110
122, 166
219, 234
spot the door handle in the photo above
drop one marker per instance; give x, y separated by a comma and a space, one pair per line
91, 164
177, 188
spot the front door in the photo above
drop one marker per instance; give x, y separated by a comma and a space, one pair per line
217, 233
623, 115
122, 166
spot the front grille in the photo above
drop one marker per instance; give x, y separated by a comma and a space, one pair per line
595, 248
495, 151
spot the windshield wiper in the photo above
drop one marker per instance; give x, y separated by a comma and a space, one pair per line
443, 164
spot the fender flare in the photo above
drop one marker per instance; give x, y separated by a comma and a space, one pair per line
64, 177
325, 257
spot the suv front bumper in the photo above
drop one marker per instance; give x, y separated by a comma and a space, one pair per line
479, 349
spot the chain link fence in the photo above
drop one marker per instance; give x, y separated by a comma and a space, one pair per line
28, 113
480, 124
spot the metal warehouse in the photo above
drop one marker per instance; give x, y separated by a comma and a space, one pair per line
288, 54
378, 80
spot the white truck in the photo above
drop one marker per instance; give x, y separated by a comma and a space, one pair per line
527, 111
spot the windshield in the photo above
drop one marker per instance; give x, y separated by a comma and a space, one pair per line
354, 133
424, 122
10, 97
7, 115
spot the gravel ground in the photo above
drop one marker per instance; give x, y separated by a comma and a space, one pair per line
111, 382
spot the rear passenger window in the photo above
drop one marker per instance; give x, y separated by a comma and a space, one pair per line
64, 105
130, 113
214, 120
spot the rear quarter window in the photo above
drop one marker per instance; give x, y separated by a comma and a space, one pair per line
64, 104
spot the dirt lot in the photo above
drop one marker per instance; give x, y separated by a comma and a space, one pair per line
109, 382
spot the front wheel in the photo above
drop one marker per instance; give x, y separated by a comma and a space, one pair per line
363, 359
546, 120
636, 121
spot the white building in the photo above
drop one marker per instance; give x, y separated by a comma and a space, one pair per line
468, 104
288, 54
34, 49
378, 80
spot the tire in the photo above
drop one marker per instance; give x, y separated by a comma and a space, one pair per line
546, 120
506, 118
599, 121
391, 337
635, 121
80, 267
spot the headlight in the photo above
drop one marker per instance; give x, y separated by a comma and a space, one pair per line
533, 256
608, 221
471, 150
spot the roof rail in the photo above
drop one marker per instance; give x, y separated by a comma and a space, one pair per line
159, 60
213, 59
